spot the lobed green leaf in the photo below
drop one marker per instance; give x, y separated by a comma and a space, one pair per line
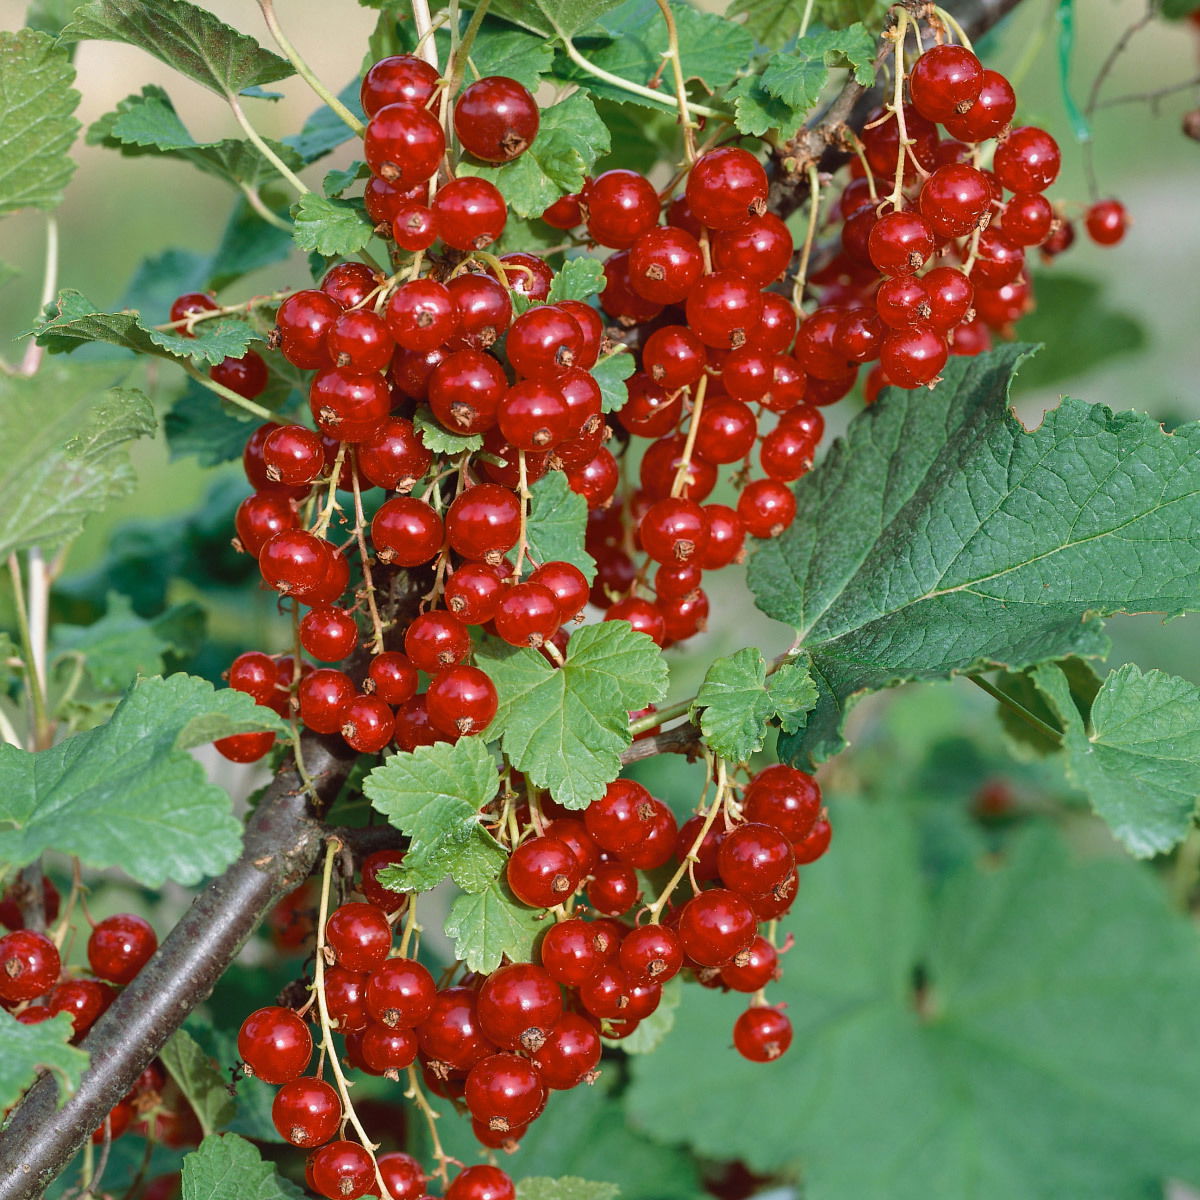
493, 924
557, 523
27, 1049
330, 227
227, 1167
610, 373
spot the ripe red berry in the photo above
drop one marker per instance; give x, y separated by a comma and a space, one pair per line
572, 950
766, 507
945, 82
302, 322
753, 968
762, 1034
461, 701
83, 999
914, 356
404, 144
406, 531
642, 615
346, 999
997, 260
543, 872
360, 936
295, 562
664, 264
727, 430
992, 110
472, 592
403, 1175
815, 843
754, 858
190, 305
246, 375
367, 724
481, 1183
244, 747
470, 213
293, 455
651, 954
570, 1053
673, 357
724, 309
544, 343
726, 187
496, 119
900, 243
328, 634
451, 1033
949, 294
421, 315
527, 615
29, 965
518, 1004
484, 522
567, 582
275, 1044
400, 993
1027, 219
306, 1112
342, 1170
397, 79
260, 517
564, 213
955, 199
324, 695
621, 818
726, 536
618, 206
785, 798
504, 1091
1028, 160
716, 925
436, 640
760, 250
119, 947
1106, 222
348, 406
382, 897
673, 530
613, 889
527, 274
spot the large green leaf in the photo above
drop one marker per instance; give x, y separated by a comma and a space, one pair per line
487, 926
433, 795
565, 727
227, 1167
71, 426
1023, 1032
799, 76
330, 227
26, 1049
775, 22
37, 121
570, 139
200, 1080
939, 537
127, 794
1138, 758
184, 36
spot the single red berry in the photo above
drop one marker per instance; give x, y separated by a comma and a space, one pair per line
664, 264
472, 592
367, 724
461, 701
294, 563
346, 999
591, 328
726, 536
520, 1002
260, 517
673, 530
84, 999
324, 695
328, 634
527, 615
404, 144
621, 818
413, 727
642, 616
348, 284
119, 947
955, 199
597, 480
451, 1033
414, 227
421, 314
406, 531
534, 415
674, 357
246, 375
785, 798
900, 243
726, 187
570, 1053
481, 1183
397, 79
360, 936
293, 455
1028, 160
400, 993
754, 858
29, 965
613, 889
436, 640
189, 306
306, 1112
543, 872
716, 925
526, 274
762, 1034
945, 81
403, 1176
343, 1170
1027, 219
275, 1045
244, 747
544, 343
572, 950
618, 206
348, 406
620, 299
815, 843
567, 582
753, 968
359, 340
651, 954
761, 250
302, 322
997, 260
992, 110
470, 213
949, 296
913, 357
496, 119
767, 507
504, 1091
484, 522
724, 309
10, 908
564, 213
727, 430
1106, 222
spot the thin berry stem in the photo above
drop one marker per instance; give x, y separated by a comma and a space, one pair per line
257, 203
685, 461
896, 198
33, 352
224, 310
715, 806
523, 490
40, 724
360, 522
416, 1094
814, 187
685, 121
264, 149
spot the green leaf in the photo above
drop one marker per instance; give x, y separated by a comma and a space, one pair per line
492, 924
501, 50
610, 373
940, 537
50, 16
188, 38
569, 1187
201, 423
74, 321
776, 22
1083, 683
337, 181
557, 523
147, 123
549, 18
248, 243
756, 111
1022, 1030
433, 795
799, 76
1138, 758
579, 279
735, 702
122, 645
649, 1034
793, 695
565, 727
442, 441
72, 427
569, 141
711, 49
128, 794
27, 1049
227, 1167
37, 121
330, 227
200, 1080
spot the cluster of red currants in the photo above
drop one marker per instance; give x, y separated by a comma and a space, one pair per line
497, 1045
34, 987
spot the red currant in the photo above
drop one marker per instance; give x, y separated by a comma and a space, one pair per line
306, 1112
275, 1045
119, 947
496, 119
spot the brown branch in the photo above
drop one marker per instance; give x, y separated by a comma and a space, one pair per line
682, 739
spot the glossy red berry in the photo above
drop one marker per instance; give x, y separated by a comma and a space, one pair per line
328, 634
716, 925
406, 531
246, 375
618, 206
367, 724
29, 965
382, 897
726, 187
481, 1183
189, 306
403, 1175
726, 430
544, 343
342, 1170
673, 357
564, 213
504, 1091
913, 357
348, 406
811, 847
359, 340
534, 415
760, 250
461, 701
451, 1033
900, 243
572, 950
766, 507
673, 530
949, 294
726, 537
527, 274
421, 315
785, 798
360, 936
496, 119
472, 592
992, 110
348, 284
119, 947
404, 144
997, 260
642, 615
762, 1034
724, 309
295, 562
323, 695
621, 818
392, 677
484, 522
664, 264
302, 322
955, 199
84, 1000
651, 954
527, 615
945, 81
397, 79
543, 872
400, 993
518, 1004
1028, 160
754, 858
293, 455
1106, 222
570, 1053
484, 310
567, 582
436, 640
260, 517
275, 1044
1027, 219
753, 968
470, 213
306, 1112
613, 888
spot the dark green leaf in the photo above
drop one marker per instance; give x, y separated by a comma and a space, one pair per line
799, 76
201, 423
188, 38
776, 22
325, 131
247, 244
565, 727
579, 279
1083, 682
996, 1034
556, 525
201, 1081
330, 227
26, 1049
1138, 758
227, 1167
336, 182
37, 121
502, 50
490, 925
128, 794
940, 537
756, 111
433, 795
72, 427
160, 278
610, 373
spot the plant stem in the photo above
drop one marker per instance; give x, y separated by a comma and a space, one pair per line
685, 461
805, 19
305, 71
896, 198
1016, 707
256, 202
814, 187
416, 1094
33, 352
426, 45
225, 393
263, 149
689, 141
715, 807
463, 49
33, 677
523, 491
360, 522
225, 310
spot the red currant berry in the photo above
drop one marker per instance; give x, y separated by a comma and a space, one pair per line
275, 1045
481, 1183
572, 951
1106, 222
398, 79
651, 954
945, 82
570, 1053
376, 894
726, 432
726, 187
591, 328
451, 1033
484, 310
244, 747
642, 616
762, 1034
753, 969
618, 206
246, 375
597, 480
900, 243
761, 250
302, 322
119, 947
84, 999
293, 455
403, 1176
421, 315
1027, 219
613, 889
484, 522
664, 264
991, 112
673, 357
785, 798
343, 1170
324, 695
1028, 160
470, 213
367, 724
527, 274
716, 925
567, 582
406, 531
543, 343
997, 260
519, 1003
360, 937
620, 299
294, 563
349, 407
504, 1091
496, 119
461, 701
400, 993
815, 843
767, 507
189, 306
950, 294
348, 284
724, 309
754, 858
527, 615
29, 966
328, 634
472, 592
673, 530
955, 199
913, 357
436, 640
306, 1112
564, 213
359, 340
404, 144
260, 517
413, 727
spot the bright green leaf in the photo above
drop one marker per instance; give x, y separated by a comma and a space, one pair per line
439, 440
200, 1080
502, 50
776, 22
492, 924
337, 181
72, 427
1138, 759
330, 227
127, 794
1024, 1030
565, 727
37, 121
550, 18
434, 795
610, 373
211, 342
184, 36
756, 111
569, 141
227, 1167
940, 537
579, 279
793, 694
569, 1187
26, 1049
557, 523
798, 76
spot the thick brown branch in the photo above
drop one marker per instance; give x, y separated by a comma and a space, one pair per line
682, 739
